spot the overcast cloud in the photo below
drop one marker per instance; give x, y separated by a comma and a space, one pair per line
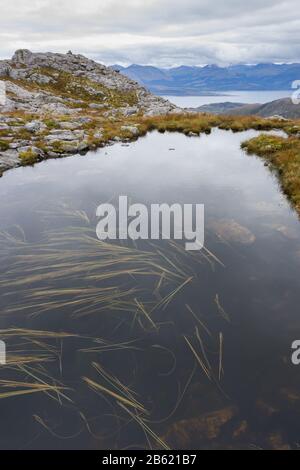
158, 32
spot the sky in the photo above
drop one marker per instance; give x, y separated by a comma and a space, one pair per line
164, 33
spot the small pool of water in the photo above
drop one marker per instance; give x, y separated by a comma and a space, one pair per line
107, 341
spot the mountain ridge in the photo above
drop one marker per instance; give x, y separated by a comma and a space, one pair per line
195, 80
283, 108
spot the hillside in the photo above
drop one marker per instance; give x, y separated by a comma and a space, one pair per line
69, 83
198, 80
283, 107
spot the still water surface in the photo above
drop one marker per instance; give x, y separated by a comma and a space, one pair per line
144, 345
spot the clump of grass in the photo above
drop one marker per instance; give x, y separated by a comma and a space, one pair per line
94, 142
4, 133
267, 144
284, 156
4, 145
57, 146
28, 157
23, 134
203, 123
185, 123
51, 124
42, 145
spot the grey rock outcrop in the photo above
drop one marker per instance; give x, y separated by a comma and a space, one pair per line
43, 70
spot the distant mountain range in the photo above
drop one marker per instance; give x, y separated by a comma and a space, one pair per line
187, 80
283, 107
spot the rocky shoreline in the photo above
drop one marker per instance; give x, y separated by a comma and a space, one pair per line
62, 104
29, 141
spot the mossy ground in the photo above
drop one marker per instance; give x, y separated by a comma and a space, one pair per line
284, 156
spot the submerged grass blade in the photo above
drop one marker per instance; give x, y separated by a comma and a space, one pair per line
221, 371
145, 427
221, 309
101, 389
199, 360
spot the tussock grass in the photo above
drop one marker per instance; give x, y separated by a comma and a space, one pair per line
4, 145
28, 157
203, 123
283, 154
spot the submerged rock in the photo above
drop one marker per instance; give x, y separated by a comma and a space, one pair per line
288, 232
263, 206
275, 441
189, 433
231, 231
